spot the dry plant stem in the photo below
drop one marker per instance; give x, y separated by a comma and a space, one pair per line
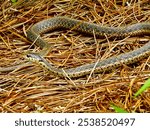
11, 68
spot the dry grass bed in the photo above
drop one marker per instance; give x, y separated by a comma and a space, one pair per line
32, 89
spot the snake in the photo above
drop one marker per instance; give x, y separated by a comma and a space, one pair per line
61, 22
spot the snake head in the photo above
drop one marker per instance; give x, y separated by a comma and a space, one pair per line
37, 58
34, 57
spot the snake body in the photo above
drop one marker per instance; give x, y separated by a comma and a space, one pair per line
52, 24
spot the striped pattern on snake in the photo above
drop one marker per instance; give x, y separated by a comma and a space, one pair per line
52, 24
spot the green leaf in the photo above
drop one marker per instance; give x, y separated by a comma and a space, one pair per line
118, 109
143, 88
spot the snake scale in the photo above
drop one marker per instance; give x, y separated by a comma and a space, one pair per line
54, 23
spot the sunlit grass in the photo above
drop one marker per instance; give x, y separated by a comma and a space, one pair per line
143, 88
14, 1
140, 91
118, 109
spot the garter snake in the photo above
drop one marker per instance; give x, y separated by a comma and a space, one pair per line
52, 24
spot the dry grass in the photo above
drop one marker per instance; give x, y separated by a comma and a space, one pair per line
31, 89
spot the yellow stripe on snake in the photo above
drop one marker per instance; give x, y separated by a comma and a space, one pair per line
52, 24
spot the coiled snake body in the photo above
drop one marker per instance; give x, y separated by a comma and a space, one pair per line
52, 24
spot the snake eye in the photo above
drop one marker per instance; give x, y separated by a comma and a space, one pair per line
28, 55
